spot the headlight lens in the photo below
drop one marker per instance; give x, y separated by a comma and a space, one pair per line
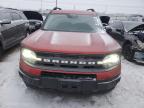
110, 61
29, 56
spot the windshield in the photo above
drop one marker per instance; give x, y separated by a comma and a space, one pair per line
72, 23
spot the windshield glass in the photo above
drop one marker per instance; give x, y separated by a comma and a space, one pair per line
72, 23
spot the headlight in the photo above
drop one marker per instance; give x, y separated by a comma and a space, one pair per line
110, 61
29, 56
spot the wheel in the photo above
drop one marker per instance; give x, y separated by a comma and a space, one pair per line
128, 53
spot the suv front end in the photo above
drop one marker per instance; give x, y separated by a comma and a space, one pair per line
71, 61
70, 72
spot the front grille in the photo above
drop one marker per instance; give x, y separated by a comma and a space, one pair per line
74, 62
72, 56
67, 76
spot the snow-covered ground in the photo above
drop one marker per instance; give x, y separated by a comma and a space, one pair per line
129, 93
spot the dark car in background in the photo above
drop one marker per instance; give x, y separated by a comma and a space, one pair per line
13, 28
130, 36
35, 20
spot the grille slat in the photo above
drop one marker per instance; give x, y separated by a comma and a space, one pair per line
85, 59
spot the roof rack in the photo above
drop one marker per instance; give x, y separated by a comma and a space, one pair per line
91, 10
56, 8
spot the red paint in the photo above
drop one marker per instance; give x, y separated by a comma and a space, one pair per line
73, 12
29, 70
68, 42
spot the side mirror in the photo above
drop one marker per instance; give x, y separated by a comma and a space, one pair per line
5, 22
105, 19
108, 29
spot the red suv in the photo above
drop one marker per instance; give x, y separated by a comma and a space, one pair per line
71, 52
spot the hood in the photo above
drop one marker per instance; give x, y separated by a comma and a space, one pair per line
33, 15
71, 42
105, 19
133, 26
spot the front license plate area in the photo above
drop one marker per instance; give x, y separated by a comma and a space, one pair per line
49, 83
69, 85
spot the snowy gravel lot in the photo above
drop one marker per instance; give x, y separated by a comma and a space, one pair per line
129, 93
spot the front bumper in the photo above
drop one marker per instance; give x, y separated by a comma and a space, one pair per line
70, 85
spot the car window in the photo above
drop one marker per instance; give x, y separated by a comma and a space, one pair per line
16, 16
5, 16
72, 23
116, 25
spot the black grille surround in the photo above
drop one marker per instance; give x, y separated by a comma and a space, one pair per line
70, 57
68, 76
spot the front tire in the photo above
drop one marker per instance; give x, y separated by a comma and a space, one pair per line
128, 53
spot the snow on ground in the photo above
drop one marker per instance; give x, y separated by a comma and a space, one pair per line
129, 93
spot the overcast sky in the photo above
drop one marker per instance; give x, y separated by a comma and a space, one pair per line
108, 6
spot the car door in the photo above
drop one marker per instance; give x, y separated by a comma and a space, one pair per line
20, 26
117, 31
7, 30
